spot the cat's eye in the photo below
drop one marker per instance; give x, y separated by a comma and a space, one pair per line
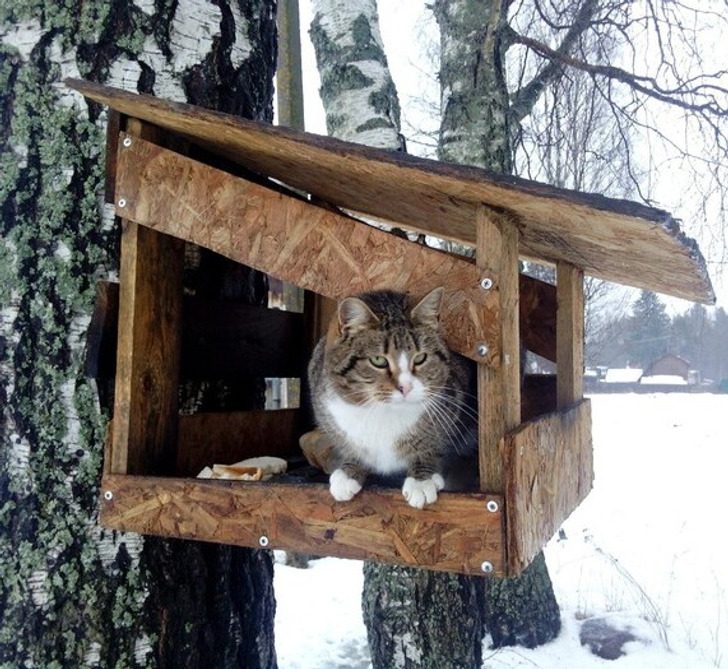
379, 361
419, 358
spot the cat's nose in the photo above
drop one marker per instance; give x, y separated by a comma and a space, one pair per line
404, 387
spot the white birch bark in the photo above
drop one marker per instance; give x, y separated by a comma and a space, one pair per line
74, 594
357, 90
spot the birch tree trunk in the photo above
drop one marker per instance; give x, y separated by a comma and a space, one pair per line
71, 593
475, 130
417, 618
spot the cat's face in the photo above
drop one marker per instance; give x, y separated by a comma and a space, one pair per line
386, 353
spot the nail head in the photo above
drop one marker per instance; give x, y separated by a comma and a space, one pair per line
492, 505
108, 495
127, 142
486, 567
263, 541
482, 350
122, 203
486, 283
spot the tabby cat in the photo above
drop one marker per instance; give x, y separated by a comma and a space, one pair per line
391, 396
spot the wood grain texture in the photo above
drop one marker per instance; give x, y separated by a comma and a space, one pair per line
612, 239
569, 335
499, 398
226, 437
457, 533
549, 467
291, 239
537, 307
148, 351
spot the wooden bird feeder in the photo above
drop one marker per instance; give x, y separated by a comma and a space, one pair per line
298, 218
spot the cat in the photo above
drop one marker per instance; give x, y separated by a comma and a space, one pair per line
390, 396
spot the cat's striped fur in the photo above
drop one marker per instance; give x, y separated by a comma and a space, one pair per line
390, 395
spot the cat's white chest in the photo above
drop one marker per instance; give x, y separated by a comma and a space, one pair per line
375, 430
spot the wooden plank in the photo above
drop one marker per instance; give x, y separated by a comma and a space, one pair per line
226, 437
458, 533
499, 396
549, 472
144, 429
147, 362
537, 308
612, 239
569, 335
298, 242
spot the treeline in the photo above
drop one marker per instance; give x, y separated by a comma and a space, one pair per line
700, 336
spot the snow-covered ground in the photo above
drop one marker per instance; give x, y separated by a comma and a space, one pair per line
647, 549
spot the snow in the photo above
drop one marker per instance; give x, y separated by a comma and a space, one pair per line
664, 379
646, 549
627, 375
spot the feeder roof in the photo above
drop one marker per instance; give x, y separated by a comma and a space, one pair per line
612, 239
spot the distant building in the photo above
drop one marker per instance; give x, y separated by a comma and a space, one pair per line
669, 365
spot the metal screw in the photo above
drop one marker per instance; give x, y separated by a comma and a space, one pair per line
486, 567
486, 283
127, 142
482, 350
492, 506
263, 541
108, 495
122, 203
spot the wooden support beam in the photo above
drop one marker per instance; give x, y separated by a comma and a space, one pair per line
310, 246
499, 395
569, 335
460, 533
144, 433
549, 466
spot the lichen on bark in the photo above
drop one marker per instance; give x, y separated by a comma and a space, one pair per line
354, 73
73, 594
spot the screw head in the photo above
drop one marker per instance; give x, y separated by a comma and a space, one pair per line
492, 506
263, 541
486, 283
482, 350
108, 495
122, 203
127, 142
486, 567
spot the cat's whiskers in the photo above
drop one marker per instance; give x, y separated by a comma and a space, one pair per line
451, 424
456, 402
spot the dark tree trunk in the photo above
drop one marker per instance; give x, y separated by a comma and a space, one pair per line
72, 594
428, 620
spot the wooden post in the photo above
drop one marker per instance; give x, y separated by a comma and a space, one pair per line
144, 433
289, 80
569, 335
499, 393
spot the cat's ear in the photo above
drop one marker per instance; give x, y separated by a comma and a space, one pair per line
355, 315
427, 310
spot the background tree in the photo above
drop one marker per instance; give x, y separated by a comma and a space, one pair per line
73, 594
497, 59
648, 333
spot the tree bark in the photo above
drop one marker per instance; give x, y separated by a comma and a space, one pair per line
475, 130
416, 618
359, 97
73, 594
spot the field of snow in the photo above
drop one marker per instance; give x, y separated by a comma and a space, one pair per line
646, 549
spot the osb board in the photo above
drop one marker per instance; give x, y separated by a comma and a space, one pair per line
549, 468
458, 533
309, 246
612, 239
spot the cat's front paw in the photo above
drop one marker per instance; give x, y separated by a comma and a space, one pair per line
342, 486
419, 492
